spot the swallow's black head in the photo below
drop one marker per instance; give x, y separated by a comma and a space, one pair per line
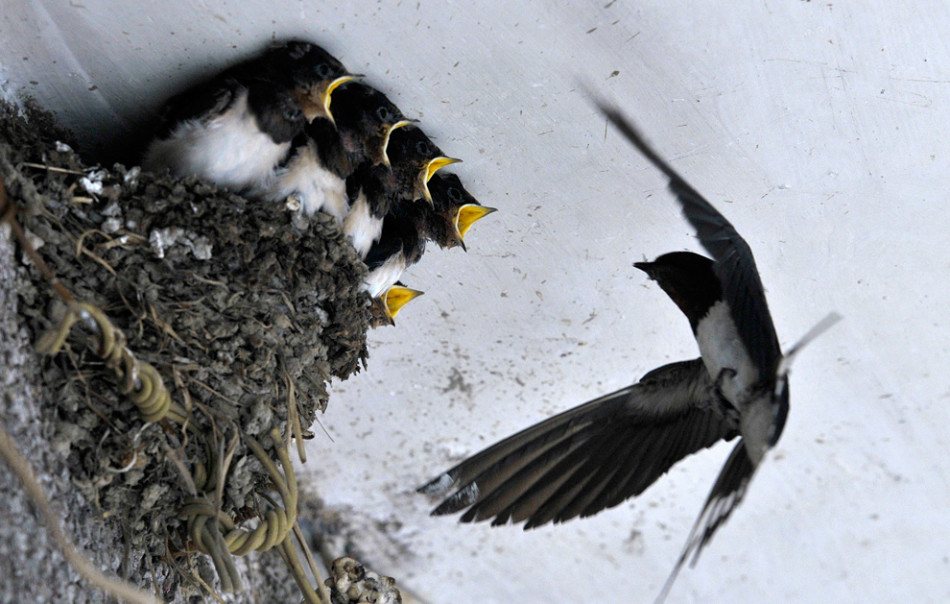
688, 279
289, 64
415, 158
277, 112
302, 68
318, 66
304, 63
366, 118
454, 210
448, 192
410, 145
296, 49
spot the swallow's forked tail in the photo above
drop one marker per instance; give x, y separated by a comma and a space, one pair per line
726, 494
821, 327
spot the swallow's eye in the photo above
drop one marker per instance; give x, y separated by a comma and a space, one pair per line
323, 71
422, 148
292, 114
384, 114
455, 194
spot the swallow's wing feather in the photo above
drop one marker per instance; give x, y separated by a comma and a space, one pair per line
591, 457
743, 291
202, 102
735, 264
726, 494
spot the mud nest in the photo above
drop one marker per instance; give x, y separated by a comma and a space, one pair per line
246, 310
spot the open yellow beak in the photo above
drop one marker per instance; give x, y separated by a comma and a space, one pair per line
468, 215
398, 296
389, 133
325, 95
433, 166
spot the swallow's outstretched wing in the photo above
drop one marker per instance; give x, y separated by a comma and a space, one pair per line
591, 457
735, 265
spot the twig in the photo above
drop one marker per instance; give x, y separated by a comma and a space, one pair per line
314, 570
53, 168
293, 416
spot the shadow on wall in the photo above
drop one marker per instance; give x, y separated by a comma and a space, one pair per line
101, 77
117, 127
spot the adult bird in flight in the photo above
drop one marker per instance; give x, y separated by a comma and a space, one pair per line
607, 450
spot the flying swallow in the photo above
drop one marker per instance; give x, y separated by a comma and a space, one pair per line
235, 128
384, 308
456, 210
607, 450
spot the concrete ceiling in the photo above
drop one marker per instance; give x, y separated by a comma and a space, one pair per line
818, 128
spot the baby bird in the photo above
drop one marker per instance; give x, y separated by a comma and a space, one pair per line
328, 152
401, 244
383, 309
374, 190
237, 127
456, 211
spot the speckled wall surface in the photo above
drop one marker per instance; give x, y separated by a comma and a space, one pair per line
817, 128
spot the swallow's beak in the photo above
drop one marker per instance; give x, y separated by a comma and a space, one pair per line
468, 215
646, 267
325, 94
396, 297
389, 132
431, 167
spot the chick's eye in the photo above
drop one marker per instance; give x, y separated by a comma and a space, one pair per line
454, 194
422, 148
384, 114
323, 70
292, 114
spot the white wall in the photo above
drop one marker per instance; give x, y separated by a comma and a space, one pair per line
818, 128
